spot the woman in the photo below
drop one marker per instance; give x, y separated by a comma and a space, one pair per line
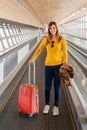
56, 47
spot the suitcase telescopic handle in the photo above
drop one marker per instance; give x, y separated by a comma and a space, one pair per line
33, 72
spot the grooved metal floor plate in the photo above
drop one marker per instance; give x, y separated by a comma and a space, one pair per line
11, 120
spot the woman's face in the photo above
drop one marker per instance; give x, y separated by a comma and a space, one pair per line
53, 30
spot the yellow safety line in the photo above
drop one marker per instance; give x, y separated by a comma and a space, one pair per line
69, 108
12, 90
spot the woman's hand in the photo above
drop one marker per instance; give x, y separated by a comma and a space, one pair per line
31, 61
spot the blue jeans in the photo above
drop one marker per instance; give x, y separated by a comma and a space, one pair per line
52, 72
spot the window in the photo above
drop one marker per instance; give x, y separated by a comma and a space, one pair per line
2, 33
1, 48
5, 43
10, 42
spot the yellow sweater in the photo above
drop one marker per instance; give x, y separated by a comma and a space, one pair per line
55, 55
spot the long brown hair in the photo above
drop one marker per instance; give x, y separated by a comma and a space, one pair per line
58, 36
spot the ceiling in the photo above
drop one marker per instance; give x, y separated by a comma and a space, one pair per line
54, 10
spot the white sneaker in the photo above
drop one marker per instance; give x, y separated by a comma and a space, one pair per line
46, 109
55, 111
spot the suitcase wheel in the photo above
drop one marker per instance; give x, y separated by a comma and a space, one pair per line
20, 112
30, 115
37, 113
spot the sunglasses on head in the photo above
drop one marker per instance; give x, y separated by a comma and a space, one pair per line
52, 44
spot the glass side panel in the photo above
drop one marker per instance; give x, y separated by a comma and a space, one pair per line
22, 53
80, 79
11, 61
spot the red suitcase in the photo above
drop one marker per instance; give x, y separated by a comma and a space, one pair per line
28, 101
